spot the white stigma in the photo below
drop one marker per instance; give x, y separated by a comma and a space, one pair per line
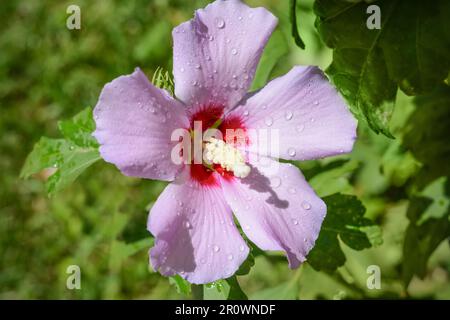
228, 157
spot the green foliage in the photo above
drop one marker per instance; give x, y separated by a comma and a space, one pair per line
429, 215
162, 79
410, 51
334, 180
427, 135
68, 157
182, 286
228, 289
99, 222
275, 50
293, 17
344, 219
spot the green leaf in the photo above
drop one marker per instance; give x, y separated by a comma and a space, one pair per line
429, 215
410, 51
334, 180
228, 289
72, 164
344, 219
427, 135
79, 129
275, 49
162, 79
398, 164
246, 266
294, 28
67, 158
182, 286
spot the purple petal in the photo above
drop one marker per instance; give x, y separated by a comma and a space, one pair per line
134, 122
305, 111
195, 234
216, 53
277, 209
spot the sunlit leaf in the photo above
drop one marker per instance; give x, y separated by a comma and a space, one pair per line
344, 221
410, 51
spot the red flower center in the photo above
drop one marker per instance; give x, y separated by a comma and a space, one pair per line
212, 116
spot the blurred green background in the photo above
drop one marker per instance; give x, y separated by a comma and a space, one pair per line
48, 72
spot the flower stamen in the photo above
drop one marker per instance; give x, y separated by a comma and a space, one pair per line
225, 155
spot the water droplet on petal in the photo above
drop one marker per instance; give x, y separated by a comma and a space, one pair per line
230, 257
182, 69
211, 38
239, 18
234, 51
292, 190
295, 222
241, 248
268, 121
197, 66
275, 182
316, 103
216, 248
288, 115
300, 128
292, 152
220, 23
306, 205
264, 107
246, 113
202, 261
187, 224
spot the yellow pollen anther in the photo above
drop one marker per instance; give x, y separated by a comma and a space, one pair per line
228, 157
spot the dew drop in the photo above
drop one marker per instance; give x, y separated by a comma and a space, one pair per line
234, 51
246, 113
275, 182
316, 103
292, 152
300, 128
295, 222
182, 69
241, 248
240, 18
211, 38
220, 23
187, 225
230, 257
197, 66
264, 107
306, 205
268, 121
288, 115
292, 190
216, 248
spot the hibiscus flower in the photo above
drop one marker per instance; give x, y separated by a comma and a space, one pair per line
215, 58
